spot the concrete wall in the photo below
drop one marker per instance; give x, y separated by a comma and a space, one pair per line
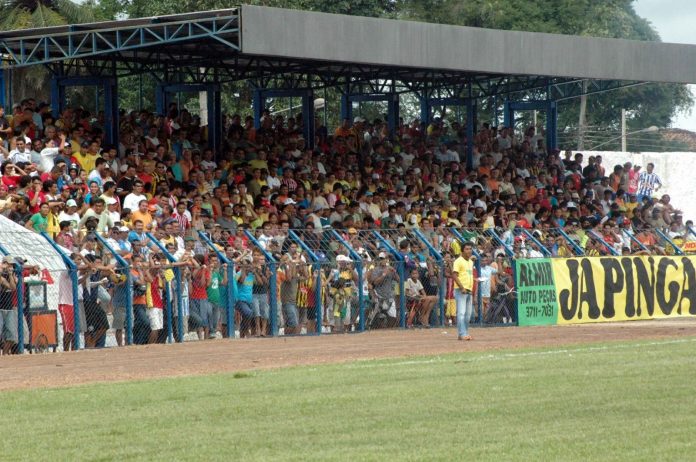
670, 166
352, 39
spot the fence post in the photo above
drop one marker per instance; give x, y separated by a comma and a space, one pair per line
400, 270
72, 268
231, 285
19, 270
514, 285
129, 287
361, 278
168, 304
273, 295
479, 295
317, 285
179, 306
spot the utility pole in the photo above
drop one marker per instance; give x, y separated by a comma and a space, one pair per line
623, 130
582, 121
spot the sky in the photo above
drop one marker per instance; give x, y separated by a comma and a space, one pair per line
674, 20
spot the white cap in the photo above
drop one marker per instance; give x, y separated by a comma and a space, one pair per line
289, 201
110, 200
71, 203
124, 229
342, 258
382, 255
358, 119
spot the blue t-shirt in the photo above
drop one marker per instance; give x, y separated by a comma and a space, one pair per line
244, 290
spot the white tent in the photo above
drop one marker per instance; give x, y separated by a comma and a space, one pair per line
21, 242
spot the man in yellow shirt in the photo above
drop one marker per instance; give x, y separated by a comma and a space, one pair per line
463, 270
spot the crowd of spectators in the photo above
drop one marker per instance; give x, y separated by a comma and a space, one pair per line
58, 176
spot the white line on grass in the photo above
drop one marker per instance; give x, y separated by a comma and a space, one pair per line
503, 356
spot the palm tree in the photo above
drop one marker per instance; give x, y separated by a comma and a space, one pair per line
29, 14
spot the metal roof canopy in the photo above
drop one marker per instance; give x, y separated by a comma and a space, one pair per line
275, 47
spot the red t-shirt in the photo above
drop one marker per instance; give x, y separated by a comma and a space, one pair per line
156, 293
10, 180
199, 289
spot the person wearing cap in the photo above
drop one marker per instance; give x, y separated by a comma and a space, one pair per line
98, 212
382, 279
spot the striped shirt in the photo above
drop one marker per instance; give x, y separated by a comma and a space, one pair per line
647, 182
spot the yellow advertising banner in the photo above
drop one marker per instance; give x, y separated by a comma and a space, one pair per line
606, 289
689, 246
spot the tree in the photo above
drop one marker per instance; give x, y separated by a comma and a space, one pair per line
374, 8
28, 14
650, 104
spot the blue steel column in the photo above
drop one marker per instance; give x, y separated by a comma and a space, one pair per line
470, 121
508, 114
346, 107
393, 112
214, 117
551, 125
111, 110
2, 88
308, 117
425, 110
57, 96
257, 103
161, 99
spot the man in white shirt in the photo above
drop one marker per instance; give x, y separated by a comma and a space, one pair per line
21, 152
133, 199
70, 214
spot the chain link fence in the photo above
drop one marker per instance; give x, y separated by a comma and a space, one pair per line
169, 286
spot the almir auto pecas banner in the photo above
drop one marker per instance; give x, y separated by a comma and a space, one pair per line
536, 292
605, 289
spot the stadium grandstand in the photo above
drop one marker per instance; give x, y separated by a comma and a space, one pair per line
176, 227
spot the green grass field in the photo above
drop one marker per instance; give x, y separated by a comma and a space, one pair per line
628, 401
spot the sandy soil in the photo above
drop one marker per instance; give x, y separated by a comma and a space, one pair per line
215, 356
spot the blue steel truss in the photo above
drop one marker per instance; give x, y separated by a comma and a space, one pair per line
48, 45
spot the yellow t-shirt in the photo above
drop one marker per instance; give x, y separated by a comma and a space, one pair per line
86, 160
465, 272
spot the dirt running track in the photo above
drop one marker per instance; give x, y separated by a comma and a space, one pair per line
193, 358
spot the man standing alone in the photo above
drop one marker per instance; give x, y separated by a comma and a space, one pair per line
463, 271
648, 183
